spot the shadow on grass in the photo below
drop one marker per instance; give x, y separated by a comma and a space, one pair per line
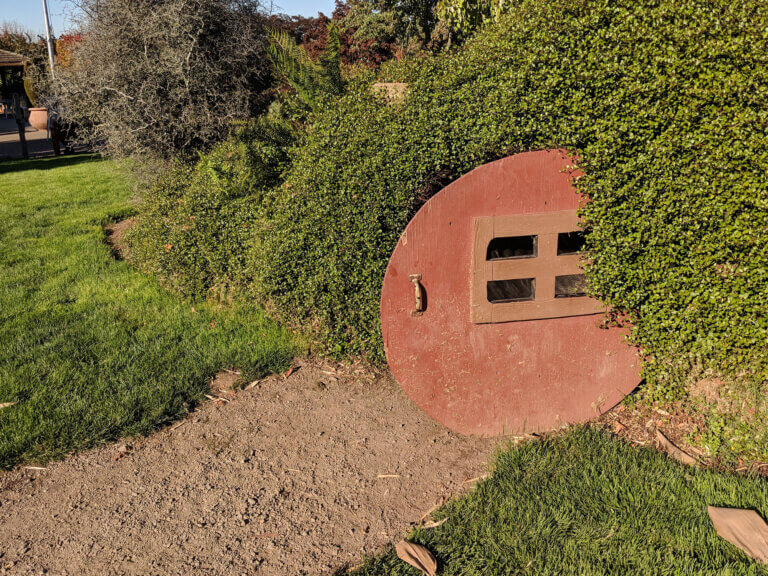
8, 166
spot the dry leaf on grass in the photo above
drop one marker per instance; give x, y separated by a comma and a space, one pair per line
417, 556
742, 528
6, 404
290, 371
252, 384
675, 452
618, 427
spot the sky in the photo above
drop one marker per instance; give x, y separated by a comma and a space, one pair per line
29, 13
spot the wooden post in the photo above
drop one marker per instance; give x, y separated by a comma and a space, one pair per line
54, 130
21, 122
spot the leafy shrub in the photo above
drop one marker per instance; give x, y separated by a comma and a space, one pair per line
196, 225
465, 16
664, 103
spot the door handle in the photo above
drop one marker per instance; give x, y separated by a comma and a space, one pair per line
418, 300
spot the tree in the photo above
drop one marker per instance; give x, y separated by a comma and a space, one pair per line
164, 77
15, 38
310, 78
307, 31
415, 18
403, 23
368, 35
65, 44
464, 16
370, 31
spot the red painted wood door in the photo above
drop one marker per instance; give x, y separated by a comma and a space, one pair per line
483, 315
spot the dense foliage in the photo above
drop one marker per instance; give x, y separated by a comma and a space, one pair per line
663, 102
462, 17
307, 77
165, 77
197, 226
16, 39
371, 31
664, 105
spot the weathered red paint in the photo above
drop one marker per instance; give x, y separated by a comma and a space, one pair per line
509, 377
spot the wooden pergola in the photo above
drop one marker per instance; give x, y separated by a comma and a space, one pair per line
10, 59
12, 64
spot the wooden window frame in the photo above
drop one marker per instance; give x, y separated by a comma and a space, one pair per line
543, 267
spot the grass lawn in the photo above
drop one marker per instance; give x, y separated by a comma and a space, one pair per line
583, 503
90, 349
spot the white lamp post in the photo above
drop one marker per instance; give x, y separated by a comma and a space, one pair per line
48, 37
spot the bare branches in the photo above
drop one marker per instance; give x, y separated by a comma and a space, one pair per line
164, 77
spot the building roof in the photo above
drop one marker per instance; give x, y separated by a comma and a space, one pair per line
8, 59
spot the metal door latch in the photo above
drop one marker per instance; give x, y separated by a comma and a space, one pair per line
418, 308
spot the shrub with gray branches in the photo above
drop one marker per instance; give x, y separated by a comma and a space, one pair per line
164, 77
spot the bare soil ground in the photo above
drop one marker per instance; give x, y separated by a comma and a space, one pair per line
303, 474
639, 425
113, 235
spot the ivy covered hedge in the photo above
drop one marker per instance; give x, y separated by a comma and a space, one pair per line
664, 101
196, 227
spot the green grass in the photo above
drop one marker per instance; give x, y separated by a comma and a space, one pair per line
583, 503
89, 348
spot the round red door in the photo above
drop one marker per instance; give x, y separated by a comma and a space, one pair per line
485, 323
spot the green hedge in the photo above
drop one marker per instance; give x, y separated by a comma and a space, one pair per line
196, 225
663, 101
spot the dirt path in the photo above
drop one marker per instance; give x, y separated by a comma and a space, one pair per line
303, 475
